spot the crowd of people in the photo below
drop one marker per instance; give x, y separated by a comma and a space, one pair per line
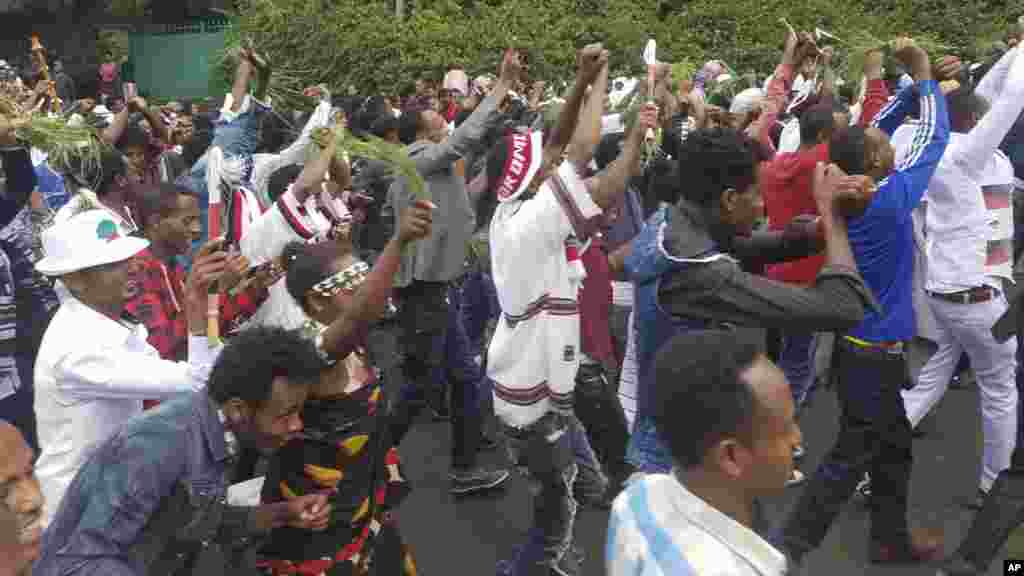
640, 295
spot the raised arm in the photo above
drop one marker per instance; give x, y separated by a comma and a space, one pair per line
876, 93
371, 298
588, 133
974, 150
608, 185
266, 164
778, 90
992, 84
471, 133
313, 172
160, 130
931, 136
590, 61
719, 290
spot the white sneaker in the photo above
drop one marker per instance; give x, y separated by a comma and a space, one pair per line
796, 478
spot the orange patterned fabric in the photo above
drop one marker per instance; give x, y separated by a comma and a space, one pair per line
344, 454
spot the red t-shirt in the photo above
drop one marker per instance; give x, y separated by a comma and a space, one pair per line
786, 185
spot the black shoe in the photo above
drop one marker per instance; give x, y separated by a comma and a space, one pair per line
957, 566
476, 480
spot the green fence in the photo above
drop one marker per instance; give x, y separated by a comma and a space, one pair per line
174, 61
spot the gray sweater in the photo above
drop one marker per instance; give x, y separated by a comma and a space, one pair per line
441, 257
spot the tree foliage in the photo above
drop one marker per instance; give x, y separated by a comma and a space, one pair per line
361, 43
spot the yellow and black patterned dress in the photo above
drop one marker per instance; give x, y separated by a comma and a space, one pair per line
344, 451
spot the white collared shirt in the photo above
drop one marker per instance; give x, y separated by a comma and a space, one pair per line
91, 376
659, 528
958, 223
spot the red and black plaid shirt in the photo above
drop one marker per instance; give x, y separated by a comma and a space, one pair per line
159, 305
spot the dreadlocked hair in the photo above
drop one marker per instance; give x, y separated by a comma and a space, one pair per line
307, 264
714, 160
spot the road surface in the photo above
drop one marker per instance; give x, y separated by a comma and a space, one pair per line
468, 536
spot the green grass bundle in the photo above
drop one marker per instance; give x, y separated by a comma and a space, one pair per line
860, 43
376, 149
65, 145
286, 85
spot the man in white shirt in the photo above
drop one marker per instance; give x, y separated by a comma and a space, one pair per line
535, 353
94, 366
731, 431
963, 282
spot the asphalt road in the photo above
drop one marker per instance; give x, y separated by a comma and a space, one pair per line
468, 536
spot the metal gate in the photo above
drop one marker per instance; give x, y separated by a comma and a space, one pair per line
175, 61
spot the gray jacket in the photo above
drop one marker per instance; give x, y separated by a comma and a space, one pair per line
441, 257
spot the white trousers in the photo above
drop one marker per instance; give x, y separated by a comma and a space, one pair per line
967, 328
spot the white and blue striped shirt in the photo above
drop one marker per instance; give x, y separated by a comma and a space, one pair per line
659, 528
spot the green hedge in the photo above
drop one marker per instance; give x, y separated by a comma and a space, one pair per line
360, 43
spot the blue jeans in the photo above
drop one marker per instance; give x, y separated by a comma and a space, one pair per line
437, 349
237, 137
646, 450
478, 306
797, 362
553, 453
479, 303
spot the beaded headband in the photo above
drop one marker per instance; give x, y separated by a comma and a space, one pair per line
347, 280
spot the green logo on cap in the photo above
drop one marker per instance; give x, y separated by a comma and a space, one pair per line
107, 230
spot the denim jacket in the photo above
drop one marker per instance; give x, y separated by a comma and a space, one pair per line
149, 500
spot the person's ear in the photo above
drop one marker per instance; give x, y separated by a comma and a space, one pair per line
728, 200
731, 457
237, 412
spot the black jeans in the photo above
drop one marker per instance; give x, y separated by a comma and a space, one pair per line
435, 345
874, 434
598, 408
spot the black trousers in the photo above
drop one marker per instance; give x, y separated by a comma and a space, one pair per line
598, 408
875, 435
436, 351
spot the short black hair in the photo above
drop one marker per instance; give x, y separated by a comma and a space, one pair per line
847, 150
714, 160
384, 124
281, 178
308, 264
699, 397
101, 178
815, 121
963, 104
410, 123
250, 361
158, 201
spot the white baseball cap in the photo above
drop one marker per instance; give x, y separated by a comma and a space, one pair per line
92, 238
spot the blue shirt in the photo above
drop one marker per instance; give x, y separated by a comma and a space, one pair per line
111, 500
51, 185
882, 238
